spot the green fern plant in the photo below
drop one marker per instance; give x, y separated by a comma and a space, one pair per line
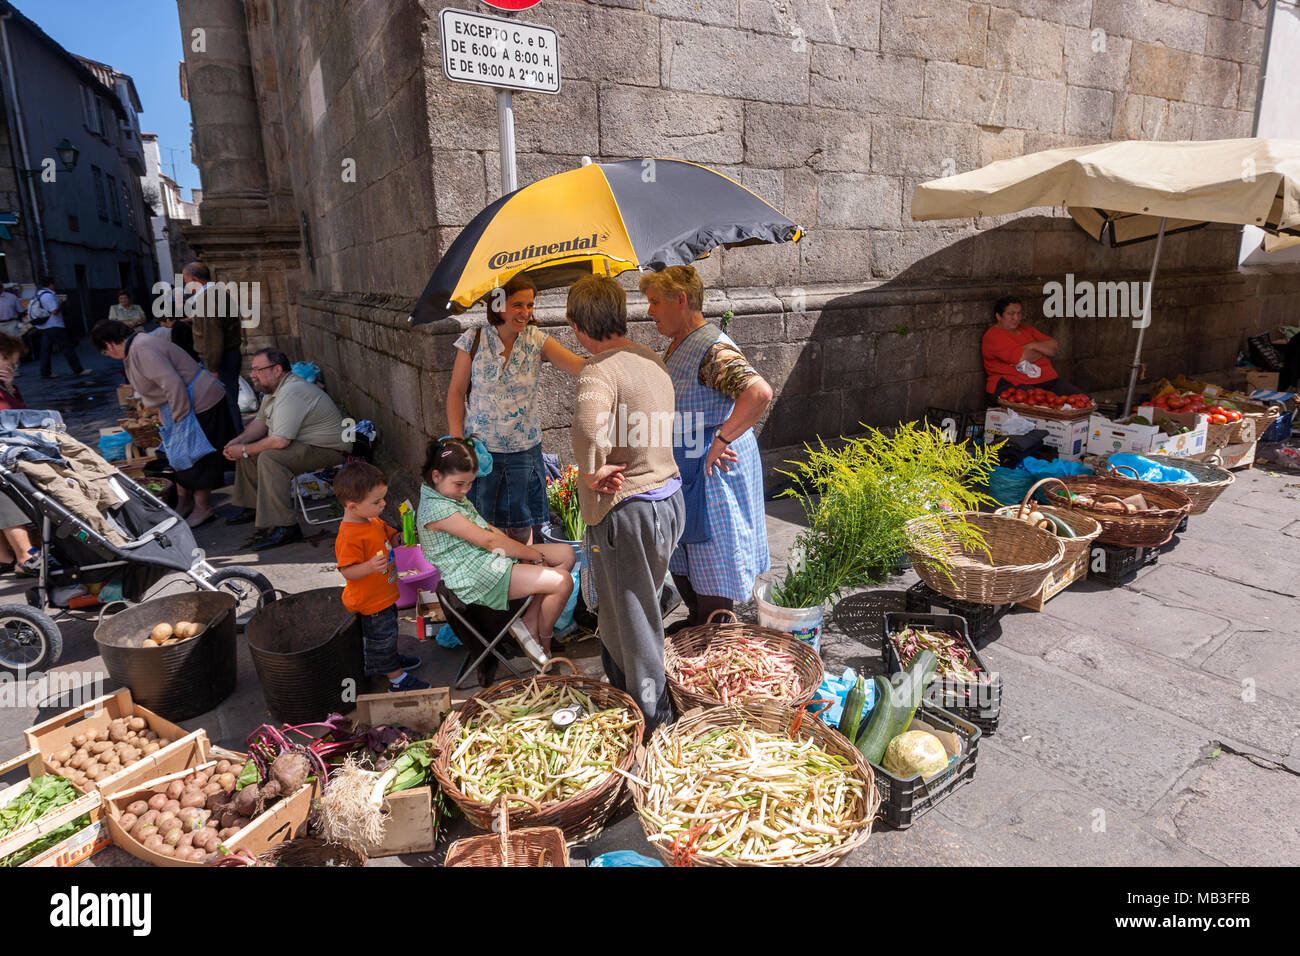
859, 498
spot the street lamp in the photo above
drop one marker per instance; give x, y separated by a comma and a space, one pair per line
67, 154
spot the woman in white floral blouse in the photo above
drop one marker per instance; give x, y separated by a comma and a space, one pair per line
497, 369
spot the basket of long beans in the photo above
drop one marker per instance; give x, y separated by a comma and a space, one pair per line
503, 741
758, 783
717, 663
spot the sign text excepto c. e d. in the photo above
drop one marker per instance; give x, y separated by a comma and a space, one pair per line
494, 51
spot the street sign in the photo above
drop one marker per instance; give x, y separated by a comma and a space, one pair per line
494, 51
512, 4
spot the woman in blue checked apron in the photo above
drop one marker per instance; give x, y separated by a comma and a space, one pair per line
497, 368
719, 398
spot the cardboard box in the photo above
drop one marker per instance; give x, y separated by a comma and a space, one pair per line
1260, 381
125, 396
1230, 456
1068, 438
1106, 436
429, 616
1058, 582
410, 824
51, 735
420, 710
73, 848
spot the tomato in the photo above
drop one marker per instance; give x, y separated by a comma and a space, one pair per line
1234, 415
1218, 419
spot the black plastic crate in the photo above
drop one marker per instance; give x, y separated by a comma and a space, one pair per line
980, 618
861, 616
903, 801
980, 703
1118, 564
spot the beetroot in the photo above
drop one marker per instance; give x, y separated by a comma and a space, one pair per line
290, 770
246, 801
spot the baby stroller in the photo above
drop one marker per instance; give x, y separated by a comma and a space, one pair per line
98, 525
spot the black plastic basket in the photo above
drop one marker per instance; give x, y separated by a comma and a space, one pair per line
1119, 563
980, 703
861, 616
980, 618
902, 801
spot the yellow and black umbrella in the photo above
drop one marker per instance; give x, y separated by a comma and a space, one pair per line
603, 218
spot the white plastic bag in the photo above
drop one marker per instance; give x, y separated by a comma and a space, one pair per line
247, 397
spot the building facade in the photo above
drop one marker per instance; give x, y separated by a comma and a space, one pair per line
76, 157
169, 213
344, 162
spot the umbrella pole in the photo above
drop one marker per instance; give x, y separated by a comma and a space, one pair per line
1146, 320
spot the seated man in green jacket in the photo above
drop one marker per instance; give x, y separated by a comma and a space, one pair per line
297, 430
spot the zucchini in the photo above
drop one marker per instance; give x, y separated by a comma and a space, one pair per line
910, 690
876, 737
853, 704
1062, 529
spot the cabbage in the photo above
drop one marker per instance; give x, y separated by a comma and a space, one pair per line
915, 752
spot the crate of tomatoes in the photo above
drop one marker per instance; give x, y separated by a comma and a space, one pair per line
1044, 404
1228, 424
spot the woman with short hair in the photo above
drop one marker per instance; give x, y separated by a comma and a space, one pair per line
497, 369
719, 398
162, 374
629, 489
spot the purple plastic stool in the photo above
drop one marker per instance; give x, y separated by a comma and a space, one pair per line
409, 587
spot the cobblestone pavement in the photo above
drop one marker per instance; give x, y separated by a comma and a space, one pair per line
1153, 723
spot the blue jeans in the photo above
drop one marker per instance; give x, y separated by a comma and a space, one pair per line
57, 336
513, 493
379, 642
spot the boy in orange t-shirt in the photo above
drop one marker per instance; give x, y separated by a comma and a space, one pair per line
364, 553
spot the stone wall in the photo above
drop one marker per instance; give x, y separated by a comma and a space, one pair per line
833, 112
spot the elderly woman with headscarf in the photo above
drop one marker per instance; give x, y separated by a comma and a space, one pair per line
719, 398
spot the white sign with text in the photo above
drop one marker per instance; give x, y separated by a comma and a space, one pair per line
494, 51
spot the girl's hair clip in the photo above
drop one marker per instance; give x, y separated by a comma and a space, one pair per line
445, 453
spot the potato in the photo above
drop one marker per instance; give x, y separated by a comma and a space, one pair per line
172, 806
167, 820
227, 780
202, 777
143, 830
99, 746
173, 836
131, 758
114, 766
96, 733
77, 761
165, 849
149, 816
62, 756
242, 822
154, 842
161, 632
213, 787
226, 833
128, 821
175, 789
137, 724
94, 773
79, 741
223, 766
157, 801
138, 807
150, 748
194, 798
148, 642
79, 780
117, 730
148, 732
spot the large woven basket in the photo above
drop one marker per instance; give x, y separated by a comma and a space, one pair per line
534, 846
580, 816
1263, 417
1085, 528
1019, 561
1211, 480
1039, 411
770, 716
693, 641
1145, 529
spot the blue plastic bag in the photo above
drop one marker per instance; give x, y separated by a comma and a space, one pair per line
113, 447
565, 621
624, 858
1149, 469
307, 371
837, 689
446, 637
1055, 469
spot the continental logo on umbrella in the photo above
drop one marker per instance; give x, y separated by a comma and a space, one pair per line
576, 244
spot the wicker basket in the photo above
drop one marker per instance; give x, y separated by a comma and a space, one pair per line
1085, 529
1019, 561
1210, 482
1263, 417
144, 434
773, 717
311, 852
580, 816
1057, 414
1145, 529
693, 641
534, 846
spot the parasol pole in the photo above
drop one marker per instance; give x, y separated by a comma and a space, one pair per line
1146, 320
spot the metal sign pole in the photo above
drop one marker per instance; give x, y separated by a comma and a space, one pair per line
506, 133
1146, 320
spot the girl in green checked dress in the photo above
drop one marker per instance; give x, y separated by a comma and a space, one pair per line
481, 564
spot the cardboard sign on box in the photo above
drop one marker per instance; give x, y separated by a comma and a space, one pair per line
1068, 438
1106, 437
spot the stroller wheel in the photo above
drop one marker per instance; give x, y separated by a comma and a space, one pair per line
250, 588
29, 640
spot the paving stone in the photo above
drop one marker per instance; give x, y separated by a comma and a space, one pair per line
1131, 753
1137, 618
1200, 590
1234, 811
1267, 722
1266, 657
1271, 569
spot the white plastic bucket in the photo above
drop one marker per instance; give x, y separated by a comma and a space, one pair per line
802, 623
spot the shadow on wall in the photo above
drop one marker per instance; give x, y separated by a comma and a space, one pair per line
889, 351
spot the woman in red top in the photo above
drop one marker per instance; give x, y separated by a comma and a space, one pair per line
1012, 352
15, 542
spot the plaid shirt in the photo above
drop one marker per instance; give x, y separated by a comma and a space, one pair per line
469, 571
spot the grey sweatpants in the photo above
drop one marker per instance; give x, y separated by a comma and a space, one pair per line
629, 550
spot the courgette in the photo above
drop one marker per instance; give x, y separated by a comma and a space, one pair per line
910, 690
1063, 530
853, 705
876, 737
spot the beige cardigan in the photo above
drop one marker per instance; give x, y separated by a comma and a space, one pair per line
623, 415
160, 370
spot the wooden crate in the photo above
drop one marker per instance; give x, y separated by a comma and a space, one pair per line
420, 710
1058, 582
51, 735
410, 824
73, 848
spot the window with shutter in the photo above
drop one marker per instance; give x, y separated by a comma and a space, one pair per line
101, 204
99, 115
114, 202
130, 206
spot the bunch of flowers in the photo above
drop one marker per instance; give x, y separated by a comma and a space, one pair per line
562, 498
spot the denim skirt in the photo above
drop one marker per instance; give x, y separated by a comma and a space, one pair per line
513, 493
